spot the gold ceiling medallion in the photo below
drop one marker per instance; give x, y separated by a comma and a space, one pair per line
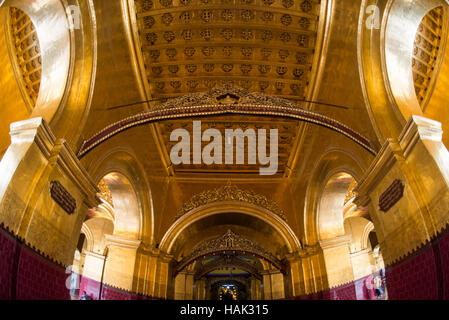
230, 242
230, 193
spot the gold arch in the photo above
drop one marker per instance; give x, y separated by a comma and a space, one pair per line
208, 210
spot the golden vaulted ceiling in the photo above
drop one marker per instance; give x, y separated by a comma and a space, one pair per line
259, 45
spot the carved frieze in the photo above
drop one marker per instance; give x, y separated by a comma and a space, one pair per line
229, 242
230, 193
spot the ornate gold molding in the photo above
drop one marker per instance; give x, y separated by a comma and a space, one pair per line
229, 193
230, 242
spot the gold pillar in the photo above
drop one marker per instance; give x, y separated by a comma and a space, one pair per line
273, 284
419, 162
362, 263
121, 262
153, 273
93, 265
184, 285
256, 289
30, 204
200, 289
337, 260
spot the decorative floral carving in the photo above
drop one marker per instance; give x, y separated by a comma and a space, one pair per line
283, 54
227, 33
208, 51
266, 53
267, 35
247, 34
206, 34
147, 5
281, 70
227, 67
155, 54
246, 68
173, 69
166, 3
185, 17
301, 58
286, 19
187, 34
167, 19
264, 68
171, 53
247, 15
206, 15
304, 23
191, 68
189, 51
288, 3
148, 22
306, 6
151, 38
229, 242
105, 193
209, 67
169, 36
298, 73
285, 37
227, 15
267, 16
230, 193
227, 51
303, 40
247, 52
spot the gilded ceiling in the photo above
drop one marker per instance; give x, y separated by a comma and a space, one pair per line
25, 48
196, 45
427, 51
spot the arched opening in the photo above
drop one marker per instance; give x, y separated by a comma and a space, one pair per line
228, 245
347, 237
99, 255
39, 47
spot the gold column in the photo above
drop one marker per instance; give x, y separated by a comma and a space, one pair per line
121, 262
184, 285
32, 165
200, 289
153, 273
93, 265
419, 161
362, 263
273, 283
337, 260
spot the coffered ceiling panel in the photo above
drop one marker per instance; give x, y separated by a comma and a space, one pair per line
196, 45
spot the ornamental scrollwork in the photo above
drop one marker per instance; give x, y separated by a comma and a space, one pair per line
229, 193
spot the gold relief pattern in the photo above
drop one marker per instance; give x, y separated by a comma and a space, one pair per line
234, 36
229, 242
230, 193
105, 193
26, 47
427, 51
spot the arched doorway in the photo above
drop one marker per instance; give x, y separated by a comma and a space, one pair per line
217, 239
